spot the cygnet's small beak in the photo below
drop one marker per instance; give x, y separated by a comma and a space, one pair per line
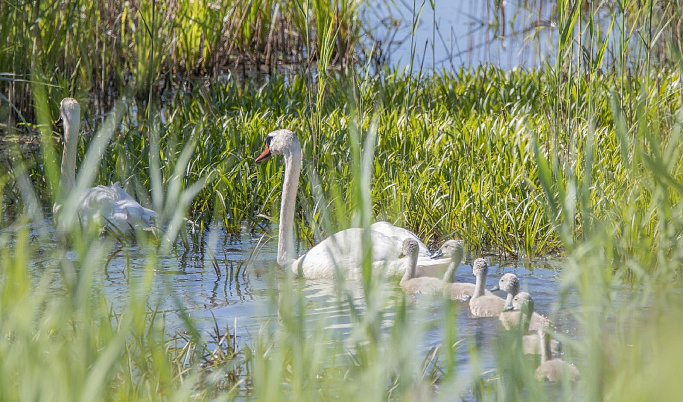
508, 307
438, 253
495, 288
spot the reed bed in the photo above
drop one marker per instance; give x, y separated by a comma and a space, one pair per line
144, 46
459, 162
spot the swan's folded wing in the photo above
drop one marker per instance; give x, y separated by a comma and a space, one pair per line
342, 253
399, 235
112, 206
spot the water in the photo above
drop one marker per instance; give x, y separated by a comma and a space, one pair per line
448, 35
451, 34
245, 303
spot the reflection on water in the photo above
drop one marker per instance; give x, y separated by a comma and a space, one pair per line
450, 34
248, 299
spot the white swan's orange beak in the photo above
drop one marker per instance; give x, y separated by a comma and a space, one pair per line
264, 155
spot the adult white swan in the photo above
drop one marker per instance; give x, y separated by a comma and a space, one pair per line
341, 253
108, 206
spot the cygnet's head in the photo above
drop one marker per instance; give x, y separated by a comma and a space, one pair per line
523, 302
451, 248
70, 114
279, 142
509, 283
480, 267
410, 247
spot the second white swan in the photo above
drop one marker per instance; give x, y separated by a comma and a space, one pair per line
109, 207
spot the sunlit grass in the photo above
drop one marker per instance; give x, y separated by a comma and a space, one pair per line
460, 162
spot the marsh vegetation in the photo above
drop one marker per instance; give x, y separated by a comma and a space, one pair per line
577, 161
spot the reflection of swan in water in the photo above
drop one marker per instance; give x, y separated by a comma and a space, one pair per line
341, 253
482, 305
520, 316
455, 290
107, 206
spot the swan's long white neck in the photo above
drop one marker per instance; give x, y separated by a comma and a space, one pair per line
480, 284
71, 125
285, 244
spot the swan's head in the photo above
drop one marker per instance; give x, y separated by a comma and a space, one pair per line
279, 142
70, 115
509, 283
522, 302
410, 248
453, 249
480, 267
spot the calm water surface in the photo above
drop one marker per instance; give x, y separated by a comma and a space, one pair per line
450, 34
454, 33
246, 300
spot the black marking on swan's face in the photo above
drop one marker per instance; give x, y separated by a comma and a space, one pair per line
266, 151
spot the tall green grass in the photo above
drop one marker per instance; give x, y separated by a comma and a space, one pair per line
459, 161
104, 47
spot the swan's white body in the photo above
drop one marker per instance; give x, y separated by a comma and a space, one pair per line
113, 208
106, 206
341, 253
398, 235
